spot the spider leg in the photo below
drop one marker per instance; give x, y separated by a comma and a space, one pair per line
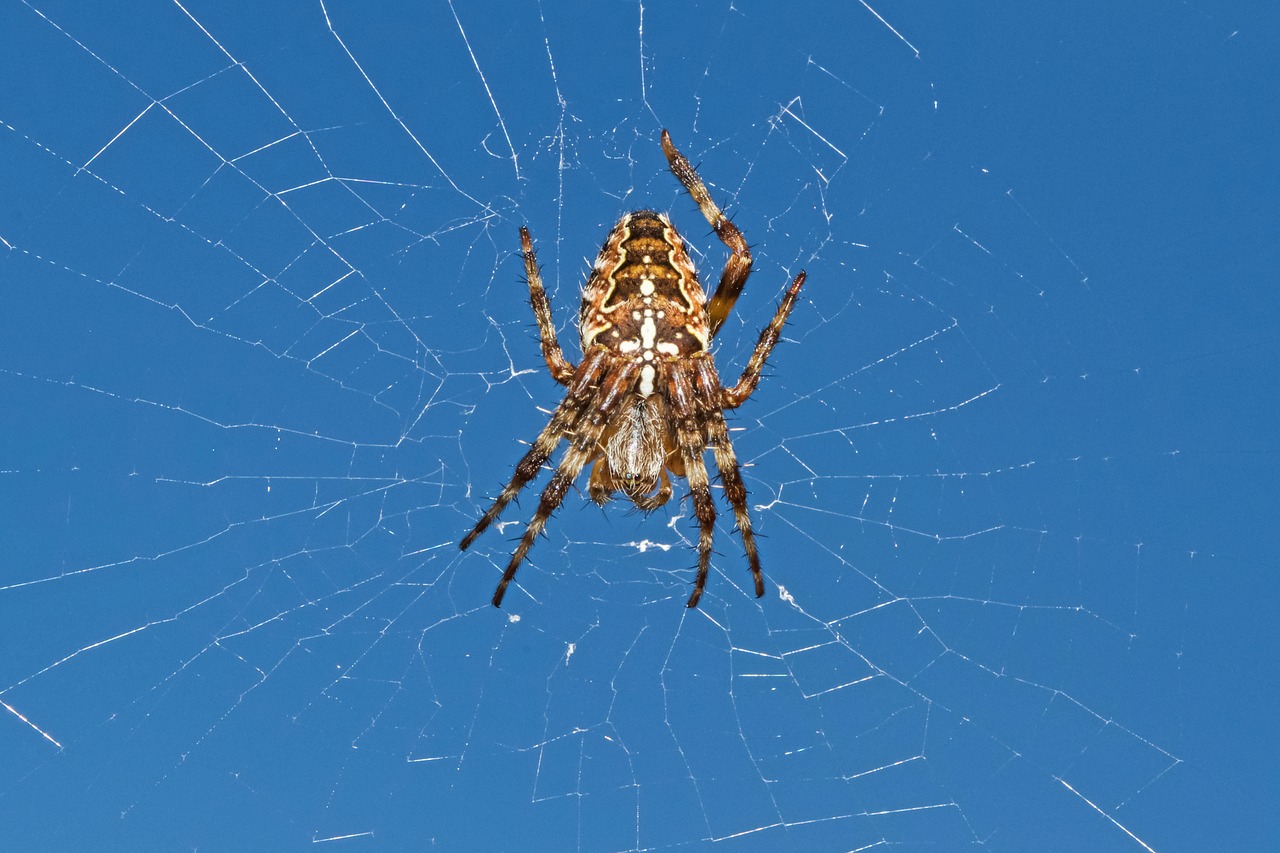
528, 467
692, 443
738, 267
585, 445
560, 367
552, 496
732, 398
735, 491
564, 417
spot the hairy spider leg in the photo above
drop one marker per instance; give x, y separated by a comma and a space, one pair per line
563, 419
584, 446
561, 369
736, 270
732, 398
707, 385
692, 442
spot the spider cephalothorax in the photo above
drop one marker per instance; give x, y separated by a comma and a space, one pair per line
646, 401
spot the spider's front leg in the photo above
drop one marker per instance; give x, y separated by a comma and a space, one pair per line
559, 366
708, 391
565, 417
583, 447
691, 439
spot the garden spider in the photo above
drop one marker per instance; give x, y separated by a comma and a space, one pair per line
646, 402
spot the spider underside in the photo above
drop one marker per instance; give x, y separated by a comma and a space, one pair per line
646, 402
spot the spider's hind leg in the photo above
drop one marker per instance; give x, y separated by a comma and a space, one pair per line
561, 369
738, 267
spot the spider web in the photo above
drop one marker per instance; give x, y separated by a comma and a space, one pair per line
267, 354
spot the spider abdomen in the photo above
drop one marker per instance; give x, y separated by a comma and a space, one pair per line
643, 300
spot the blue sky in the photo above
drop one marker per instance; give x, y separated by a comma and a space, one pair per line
266, 353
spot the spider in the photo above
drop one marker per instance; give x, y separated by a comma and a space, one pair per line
646, 403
